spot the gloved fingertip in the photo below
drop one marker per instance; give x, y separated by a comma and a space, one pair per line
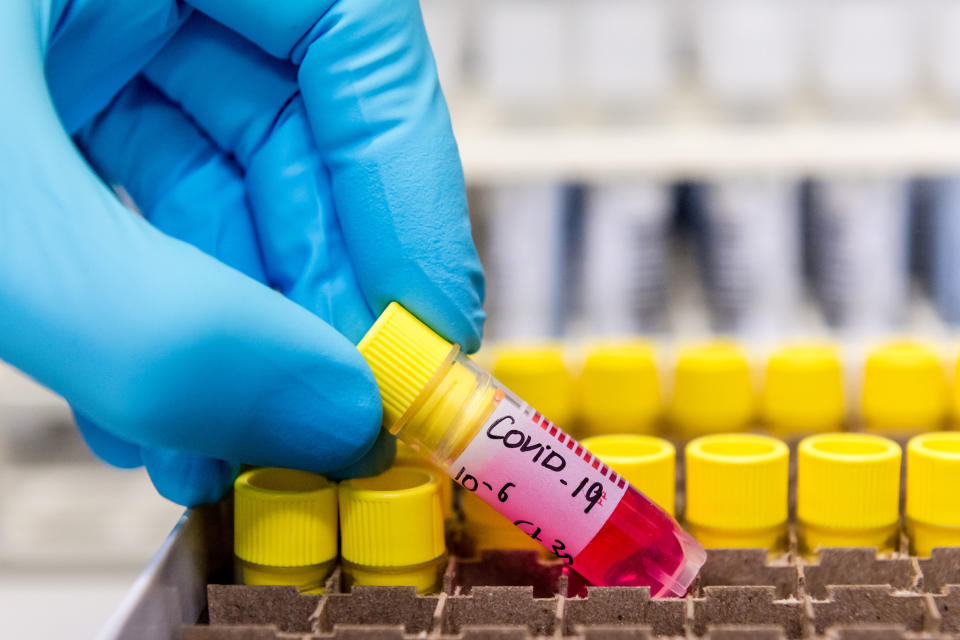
188, 479
106, 446
377, 459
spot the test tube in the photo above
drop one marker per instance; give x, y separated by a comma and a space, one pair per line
538, 373
943, 242
496, 446
391, 528
933, 502
619, 389
526, 231
487, 529
848, 491
803, 391
865, 55
285, 528
904, 389
737, 491
859, 246
623, 54
644, 461
712, 390
522, 56
749, 231
750, 53
408, 457
626, 235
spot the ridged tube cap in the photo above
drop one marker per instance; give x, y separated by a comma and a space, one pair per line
737, 481
538, 374
646, 462
619, 389
712, 389
284, 518
803, 390
848, 481
933, 476
393, 519
404, 355
904, 389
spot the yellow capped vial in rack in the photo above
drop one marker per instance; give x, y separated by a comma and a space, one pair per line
285, 528
391, 528
848, 491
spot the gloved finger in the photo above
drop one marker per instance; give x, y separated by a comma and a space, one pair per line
94, 47
370, 88
378, 459
183, 184
106, 446
186, 478
149, 338
249, 104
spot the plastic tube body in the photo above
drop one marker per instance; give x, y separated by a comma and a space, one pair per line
497, 447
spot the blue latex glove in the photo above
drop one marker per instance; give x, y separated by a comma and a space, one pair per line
295, 147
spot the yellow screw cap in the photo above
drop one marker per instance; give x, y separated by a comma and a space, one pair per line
284, 518
619, 390
538, 374
933, 502
712, 390
803, 391
848, 489
737, 490
407, 456
404, 355
904, 389
391, 520
646, 462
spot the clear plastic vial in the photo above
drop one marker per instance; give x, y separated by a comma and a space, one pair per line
626, 230
526, 286
750, 248
497, 447
859, 245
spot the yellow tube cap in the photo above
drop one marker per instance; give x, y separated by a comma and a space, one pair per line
646, 462
284, 518
404, 355
408, 457
933, 502
539, 375
848, 481
803, 391
391, 520
712, 390
904, 389
737, 489
619, 390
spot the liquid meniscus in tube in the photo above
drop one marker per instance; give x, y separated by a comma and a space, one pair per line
496, 446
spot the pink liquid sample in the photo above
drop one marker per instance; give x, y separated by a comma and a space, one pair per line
640, 545
567, 499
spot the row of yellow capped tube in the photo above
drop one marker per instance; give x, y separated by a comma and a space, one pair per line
390, 528
903, 389
848, 488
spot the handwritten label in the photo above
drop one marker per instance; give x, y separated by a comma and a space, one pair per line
539, 478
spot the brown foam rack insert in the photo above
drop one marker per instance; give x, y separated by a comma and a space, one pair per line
845, 594
513, 595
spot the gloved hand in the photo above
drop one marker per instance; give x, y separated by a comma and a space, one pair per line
295, 170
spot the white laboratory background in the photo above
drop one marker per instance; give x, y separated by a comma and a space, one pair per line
765, 169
